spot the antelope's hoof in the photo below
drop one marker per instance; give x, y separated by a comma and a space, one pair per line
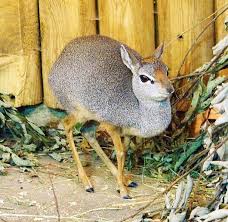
126, 197
90, 190
132, 184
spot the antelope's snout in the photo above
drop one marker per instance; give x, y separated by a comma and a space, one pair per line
162, 78
170, 89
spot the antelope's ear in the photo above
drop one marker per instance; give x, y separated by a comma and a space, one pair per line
129, 60
158, 51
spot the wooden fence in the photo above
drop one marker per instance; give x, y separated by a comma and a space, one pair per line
33, 33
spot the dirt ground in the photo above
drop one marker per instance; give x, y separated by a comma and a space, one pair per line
54, 190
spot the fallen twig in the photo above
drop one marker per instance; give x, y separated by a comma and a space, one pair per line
207, 71
201, 74
55, 197
41, 216
175, 38
197, 38
96, 209
6, 208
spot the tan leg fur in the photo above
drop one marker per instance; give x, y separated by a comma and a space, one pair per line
120, 153
113, 131
69, 122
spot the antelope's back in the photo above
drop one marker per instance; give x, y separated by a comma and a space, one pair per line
90, 72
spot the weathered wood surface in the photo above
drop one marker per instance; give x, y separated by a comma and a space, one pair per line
19, 51
220, 31
131, 22
60, 22
176, 16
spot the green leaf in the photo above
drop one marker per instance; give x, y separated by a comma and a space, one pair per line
2, 169
5, 149
157, 156
56, 156
221, 64
20, 162
204, 105
195, 101
5, 105
77, 128
2, 120
36, 128
28, 139
14, 117
211, 85
30, 147
190, 148
6, 157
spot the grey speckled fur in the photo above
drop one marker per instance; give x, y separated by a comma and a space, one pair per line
90, 72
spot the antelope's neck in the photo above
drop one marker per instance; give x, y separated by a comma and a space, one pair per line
154, 118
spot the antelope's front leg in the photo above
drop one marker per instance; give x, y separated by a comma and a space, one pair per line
120, 154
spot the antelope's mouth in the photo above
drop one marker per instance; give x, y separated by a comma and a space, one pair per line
166, 94
163, 96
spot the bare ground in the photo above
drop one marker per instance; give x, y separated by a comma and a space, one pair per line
54, 191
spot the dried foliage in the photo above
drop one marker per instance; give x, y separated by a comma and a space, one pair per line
20, 139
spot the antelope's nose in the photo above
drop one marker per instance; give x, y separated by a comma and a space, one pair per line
170, 89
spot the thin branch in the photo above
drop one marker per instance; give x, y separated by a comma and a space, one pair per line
96, 209
55, 197
77, 217
70, 218
197, 38
6, 208
196, 25
212, 62
186, 76
207, 71
189, 29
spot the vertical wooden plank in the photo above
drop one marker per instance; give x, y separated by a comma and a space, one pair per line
131, 22
19, 51
32, 88
60, 22
176, 16
220, 31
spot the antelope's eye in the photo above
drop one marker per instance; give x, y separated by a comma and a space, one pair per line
144, 78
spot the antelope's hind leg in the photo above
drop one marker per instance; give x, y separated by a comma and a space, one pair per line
126, 179
69, 122
89, 132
